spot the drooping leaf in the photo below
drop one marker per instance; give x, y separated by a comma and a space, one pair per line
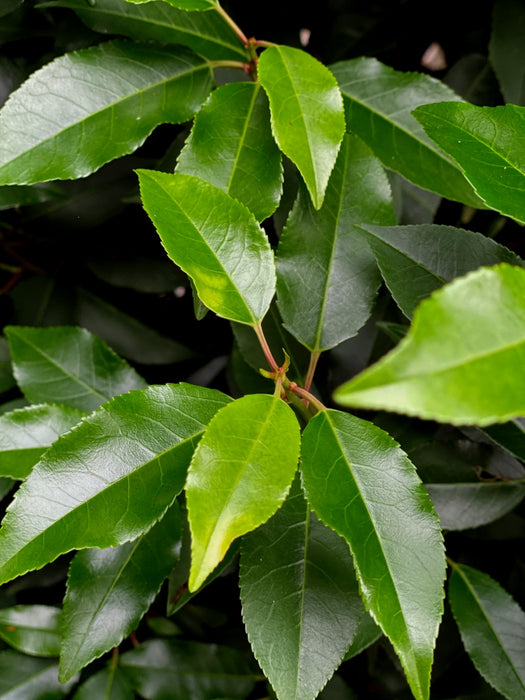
64, 122
327, 278
26, 433
378, 105
416, 260
215, 240
205, 32
109, 479
360, 483
68, 365
492, 628
231, 145
461, 360
300, 599
307, 113
187, 5
239, 476
94, 618
23, 677
487, 143
506, 49
109, 684
31, 629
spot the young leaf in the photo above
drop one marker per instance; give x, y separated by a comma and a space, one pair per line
239, 476
109, 684
31, 629
66, 108
215, 240
231, 145
307, 113
23, 677
186, 4
487, 144
461, 360
327, 278
101, 579
506, 49
300, 599
378, 105
361, 484
68, 365
26, 433
109, 479
416, 260
492, 629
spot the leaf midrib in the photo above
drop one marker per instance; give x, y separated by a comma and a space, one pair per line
242, 138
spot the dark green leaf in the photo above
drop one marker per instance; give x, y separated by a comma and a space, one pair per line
510, 435
6, 373
307, 113
75, 111
9, 6
231, 145
378, 105
412, 204
109, 684
367, 633
68, 366
23, 195
143, 274
461, 362
215, 240
507, 50
186, 4
109, 479
326, 276
360, 483
250, 448
31, 629
28, 678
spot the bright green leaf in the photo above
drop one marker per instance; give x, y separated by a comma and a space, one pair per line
31, 629
109, 684
68, 365
109, 479
215, 240
360, 483
231, 145
378, 104
239, 476
307, 113
461, 362
300, 599
507, 50
187, 5
25, 677
488, 145
65, 121
492, 629
327, 278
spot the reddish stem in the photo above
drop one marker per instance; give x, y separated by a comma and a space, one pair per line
265, 347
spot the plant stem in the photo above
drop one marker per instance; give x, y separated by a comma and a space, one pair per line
304, 394
314, 358
224, 63
233, 25
265, 347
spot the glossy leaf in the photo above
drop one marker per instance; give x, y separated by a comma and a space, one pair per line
487, 143
506, 49
75, 112
416, 260
26, 433
360, 483
185, 4
239, 476
307, 113
327, 278
109, 684
492, 629
108, 480
215, 240
68, 365
460, 362
23, 677
231, 145
31, 629
205, 32
300, 599
95, 618
378, 105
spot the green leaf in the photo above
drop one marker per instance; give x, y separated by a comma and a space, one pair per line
360, 483
231, 145
300, 599
307, 113
66, 108
94, 618
109, 684
322, 252
109, 479
367, 633
506, 49
9, 6
416, 260
205, 32
239, 476
511, 436
185, 4
6, 373
183, 669
491, 626
68, 365
24, 677
23, 195
461, 361
487, 144
26, 433
215, 240
31, 629
378, 105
